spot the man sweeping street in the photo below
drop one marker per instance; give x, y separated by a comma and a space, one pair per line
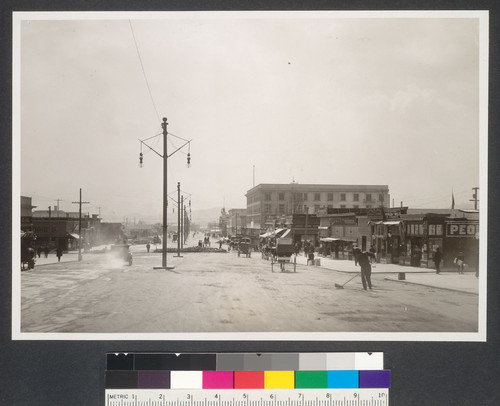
366, 268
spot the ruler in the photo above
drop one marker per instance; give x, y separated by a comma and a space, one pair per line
247, 397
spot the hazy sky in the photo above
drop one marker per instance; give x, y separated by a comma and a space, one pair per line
310, 97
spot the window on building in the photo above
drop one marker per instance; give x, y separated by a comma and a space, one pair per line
356, 206
267, 209
330, 206
329, 197
342, 197
281, 208
267, 197
297, 197
281, 196
316, 208
317, 197
368, 197
368, 206
305, 196
356, 197
381, 198
342, 206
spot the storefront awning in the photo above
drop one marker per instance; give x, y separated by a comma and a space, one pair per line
285, 233
386, 223
349, 239
272, 233
328, 239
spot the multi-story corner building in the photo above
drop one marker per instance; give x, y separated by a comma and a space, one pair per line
270, 201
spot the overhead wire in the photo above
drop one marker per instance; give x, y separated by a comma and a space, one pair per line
144, 71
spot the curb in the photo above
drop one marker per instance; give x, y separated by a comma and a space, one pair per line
432, 286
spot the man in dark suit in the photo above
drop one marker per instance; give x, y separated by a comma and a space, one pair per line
366, 268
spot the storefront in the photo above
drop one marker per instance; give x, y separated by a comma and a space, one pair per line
424, 233
387, 237
338, 233
462, 235
304, 228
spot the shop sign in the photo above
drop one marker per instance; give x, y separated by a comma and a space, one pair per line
462, 230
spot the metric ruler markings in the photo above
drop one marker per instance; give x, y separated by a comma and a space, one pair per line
263, 397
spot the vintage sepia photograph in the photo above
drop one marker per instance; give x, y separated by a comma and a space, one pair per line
301, 175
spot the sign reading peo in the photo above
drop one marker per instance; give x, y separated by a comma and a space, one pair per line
462, 230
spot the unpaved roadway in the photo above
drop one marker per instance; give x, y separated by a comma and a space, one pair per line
221, 292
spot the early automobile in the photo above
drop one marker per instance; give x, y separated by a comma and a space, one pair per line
122, 251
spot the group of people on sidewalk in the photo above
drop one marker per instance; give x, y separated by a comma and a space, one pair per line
365, 259
459, 261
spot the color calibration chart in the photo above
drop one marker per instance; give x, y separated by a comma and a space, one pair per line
246, 379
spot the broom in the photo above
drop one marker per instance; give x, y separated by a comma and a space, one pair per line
342, 286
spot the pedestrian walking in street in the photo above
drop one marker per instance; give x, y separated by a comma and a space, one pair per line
366, 268
46, 251
39, 251
459, 261
438, 256
59, 253
355, 253
372, 250
148, 246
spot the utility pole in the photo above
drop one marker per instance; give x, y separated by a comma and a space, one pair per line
165, 202
58, 200
305, 232
181, 235
165, 156
80, 225
474, 197
50, 226
178, 219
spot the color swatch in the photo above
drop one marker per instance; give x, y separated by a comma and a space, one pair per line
246, 371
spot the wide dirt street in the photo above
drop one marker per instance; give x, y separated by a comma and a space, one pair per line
221, 292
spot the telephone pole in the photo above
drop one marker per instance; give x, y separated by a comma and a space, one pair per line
58, 200
181, 235
474, 197
80, 225
178, 219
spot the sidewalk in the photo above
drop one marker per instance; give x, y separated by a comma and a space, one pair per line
52, 258
420, 276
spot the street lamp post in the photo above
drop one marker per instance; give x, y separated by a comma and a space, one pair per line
165, 201
165, 156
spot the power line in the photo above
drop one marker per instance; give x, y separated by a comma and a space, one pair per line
144, 71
